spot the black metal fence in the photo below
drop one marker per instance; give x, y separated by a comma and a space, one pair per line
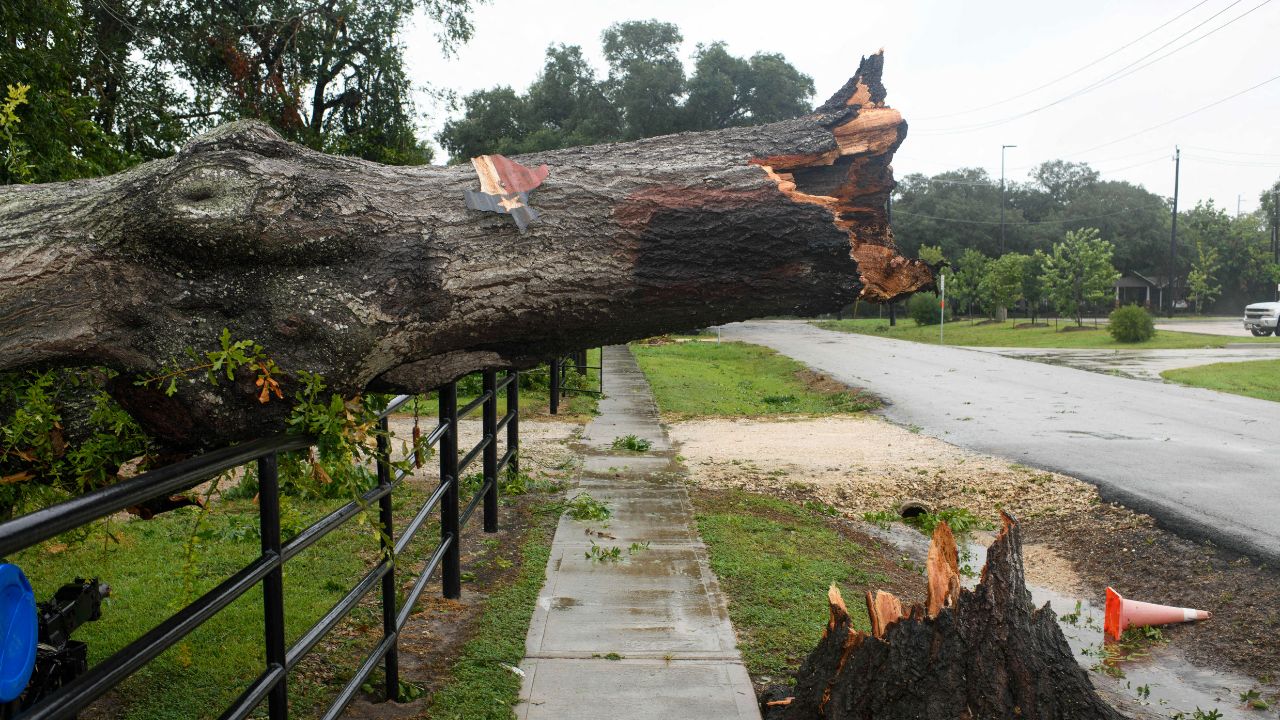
560, 368
271, 685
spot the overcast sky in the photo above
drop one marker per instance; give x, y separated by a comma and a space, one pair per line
949, 65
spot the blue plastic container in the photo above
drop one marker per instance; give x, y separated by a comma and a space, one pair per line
19, 626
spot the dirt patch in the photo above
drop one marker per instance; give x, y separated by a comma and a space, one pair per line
865, 464
438, 628
1075, 543
824, 384
1046, 567
1019, 326
1078, 328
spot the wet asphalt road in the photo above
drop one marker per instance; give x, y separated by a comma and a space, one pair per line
1205, 464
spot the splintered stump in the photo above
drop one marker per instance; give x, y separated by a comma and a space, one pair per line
972, 654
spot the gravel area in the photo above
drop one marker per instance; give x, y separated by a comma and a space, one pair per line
864, 463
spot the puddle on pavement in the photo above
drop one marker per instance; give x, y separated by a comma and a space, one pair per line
1162, 680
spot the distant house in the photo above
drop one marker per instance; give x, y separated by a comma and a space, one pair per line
1137, 289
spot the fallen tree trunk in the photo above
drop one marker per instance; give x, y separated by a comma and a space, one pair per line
972, 654
380, 277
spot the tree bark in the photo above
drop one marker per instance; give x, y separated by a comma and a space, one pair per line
380, 278
972, 654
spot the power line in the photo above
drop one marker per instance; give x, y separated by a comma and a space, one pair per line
1091, 163
974, 183
1123, 72
1073, 73
1232, 152
896, 211
1096, 161
1200, 109
1234, 163
1164, 157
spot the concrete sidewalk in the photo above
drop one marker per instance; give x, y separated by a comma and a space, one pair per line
657, 613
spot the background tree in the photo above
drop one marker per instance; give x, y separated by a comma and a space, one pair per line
1201, 281
1033, 289
965, 286
1079, 272
326, 73
114, 82
960, 209
566, 105
645, 93
956, 210
1001, 284
931, 254
646, 77
51, 131
725, 90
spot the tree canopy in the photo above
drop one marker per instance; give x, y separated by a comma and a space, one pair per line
645, 93
115, 82
1079, 272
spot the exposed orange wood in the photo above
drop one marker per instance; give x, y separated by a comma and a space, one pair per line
839, 612
863, 144
943, 570
871, 130
489, 182
884, 609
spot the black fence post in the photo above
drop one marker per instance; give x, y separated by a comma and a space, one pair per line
555, 386
451, 573
273, 583
490, 422
580, 362
389, 557
513, 425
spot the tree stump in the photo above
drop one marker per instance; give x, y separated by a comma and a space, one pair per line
978, 654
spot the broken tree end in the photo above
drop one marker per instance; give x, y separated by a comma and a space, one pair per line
853, 179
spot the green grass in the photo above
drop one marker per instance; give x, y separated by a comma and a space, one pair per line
1255, 378
736, 379
775, 561
481, 688
203, 674
534, 400
144, 565
970, 333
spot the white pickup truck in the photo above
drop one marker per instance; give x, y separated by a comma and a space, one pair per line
1261, 318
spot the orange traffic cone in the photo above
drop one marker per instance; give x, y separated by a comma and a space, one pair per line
1122, 613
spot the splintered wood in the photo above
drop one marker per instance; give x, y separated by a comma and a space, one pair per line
972, 654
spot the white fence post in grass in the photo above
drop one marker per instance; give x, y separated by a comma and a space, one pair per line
942, 309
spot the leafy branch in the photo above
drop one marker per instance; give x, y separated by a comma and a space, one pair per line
225, 361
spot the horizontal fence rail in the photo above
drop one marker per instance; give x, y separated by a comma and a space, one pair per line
267, 569
559, 371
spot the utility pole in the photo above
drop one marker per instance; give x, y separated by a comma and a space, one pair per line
888, 218
1275, 235
1173, 237
1002, 149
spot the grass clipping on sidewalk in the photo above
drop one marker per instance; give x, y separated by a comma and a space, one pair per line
775, 561
699, 379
